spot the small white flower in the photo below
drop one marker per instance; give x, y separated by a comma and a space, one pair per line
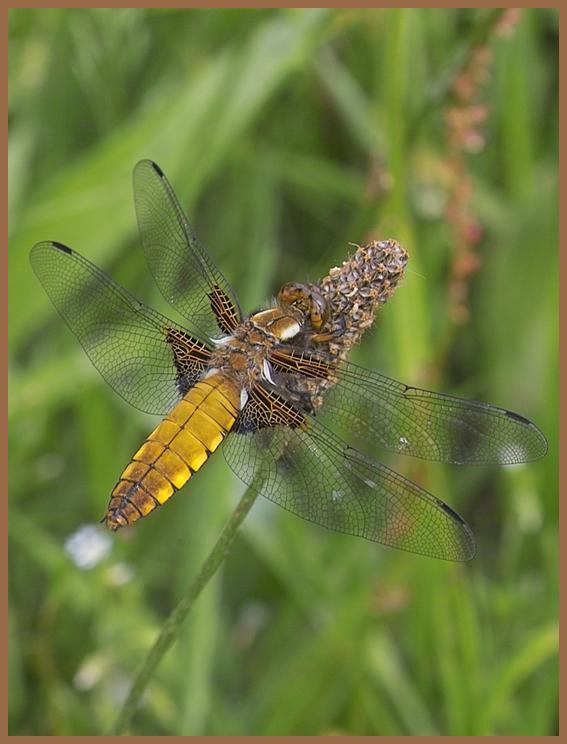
88, 546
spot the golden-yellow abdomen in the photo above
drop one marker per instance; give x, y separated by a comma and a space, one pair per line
176, 449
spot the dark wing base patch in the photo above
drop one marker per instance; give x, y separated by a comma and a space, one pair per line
266, 409
191, 358
224, 310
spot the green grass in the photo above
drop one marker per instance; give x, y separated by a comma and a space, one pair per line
286, 134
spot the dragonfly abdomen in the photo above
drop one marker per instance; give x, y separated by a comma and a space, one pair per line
177, 448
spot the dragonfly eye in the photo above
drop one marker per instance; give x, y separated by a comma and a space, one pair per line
295, 295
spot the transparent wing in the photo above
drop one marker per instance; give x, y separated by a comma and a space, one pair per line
314, 474
430, 425
146, 358
376, 410
182, 269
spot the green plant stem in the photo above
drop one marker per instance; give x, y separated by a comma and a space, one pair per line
172, 626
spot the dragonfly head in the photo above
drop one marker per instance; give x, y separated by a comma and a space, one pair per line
308, 300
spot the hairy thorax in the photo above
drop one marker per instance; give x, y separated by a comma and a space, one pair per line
244, 354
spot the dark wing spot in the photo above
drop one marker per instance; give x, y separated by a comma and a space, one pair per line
450, 512
157, 169
61, 247
517, 417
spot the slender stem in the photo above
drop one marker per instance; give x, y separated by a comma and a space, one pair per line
172, 626
441, 89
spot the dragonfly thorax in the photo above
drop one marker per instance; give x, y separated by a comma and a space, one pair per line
281, 322
244, 354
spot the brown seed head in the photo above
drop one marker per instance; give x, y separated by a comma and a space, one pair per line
357, 290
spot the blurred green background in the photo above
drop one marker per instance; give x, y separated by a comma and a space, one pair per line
287, 134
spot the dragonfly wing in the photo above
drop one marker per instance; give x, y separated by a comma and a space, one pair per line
304, 468
376, 410
428, 425
183, 270
146, 358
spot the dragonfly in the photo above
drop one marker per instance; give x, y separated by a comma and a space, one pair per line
273, 389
